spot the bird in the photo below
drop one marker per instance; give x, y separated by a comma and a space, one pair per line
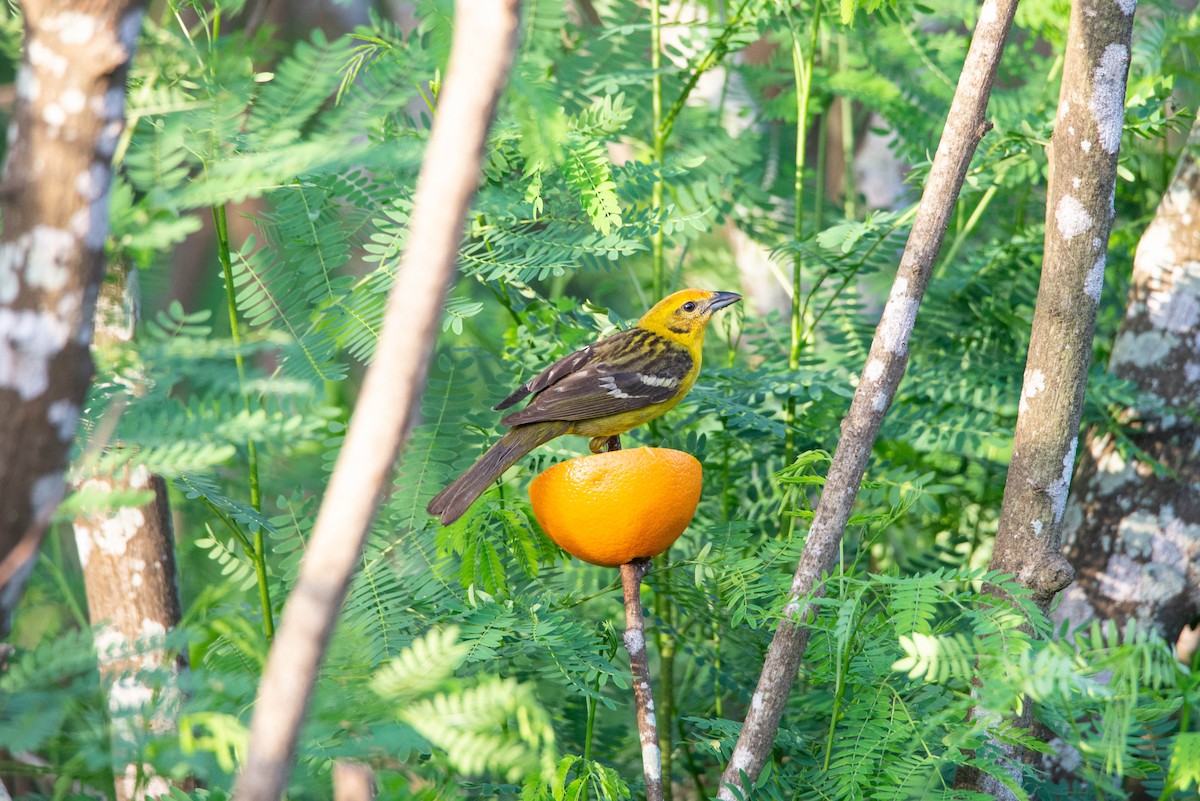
601, 391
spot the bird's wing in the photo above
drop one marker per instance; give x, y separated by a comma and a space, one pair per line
621, 376
556, 372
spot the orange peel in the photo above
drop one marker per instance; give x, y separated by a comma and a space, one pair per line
612, 508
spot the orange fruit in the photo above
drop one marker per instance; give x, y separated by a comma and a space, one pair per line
611, 508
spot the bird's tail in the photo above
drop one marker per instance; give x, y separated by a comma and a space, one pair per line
454, 500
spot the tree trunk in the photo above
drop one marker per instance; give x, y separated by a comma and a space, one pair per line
54, 204
1079, 214
1133, 531
128, 559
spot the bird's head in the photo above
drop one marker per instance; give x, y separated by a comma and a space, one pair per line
684, 315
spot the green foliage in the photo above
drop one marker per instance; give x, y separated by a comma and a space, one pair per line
471, 656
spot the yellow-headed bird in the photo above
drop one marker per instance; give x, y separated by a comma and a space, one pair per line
601, 391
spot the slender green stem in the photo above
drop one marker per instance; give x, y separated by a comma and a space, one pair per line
591, 727
259, 553
713, 57
51, 564
660, 147
970, 224
802, 69
849, 190
664, 640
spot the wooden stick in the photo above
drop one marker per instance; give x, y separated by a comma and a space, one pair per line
639, 666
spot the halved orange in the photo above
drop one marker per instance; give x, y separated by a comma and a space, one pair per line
612, 508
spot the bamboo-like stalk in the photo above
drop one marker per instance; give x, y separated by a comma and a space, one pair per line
639, 665
802, 69
258, 553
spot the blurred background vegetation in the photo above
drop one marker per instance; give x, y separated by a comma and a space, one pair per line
477, 659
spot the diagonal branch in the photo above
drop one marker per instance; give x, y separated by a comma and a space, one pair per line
480, 56
966, 125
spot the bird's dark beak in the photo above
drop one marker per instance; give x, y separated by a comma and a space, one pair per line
722, 299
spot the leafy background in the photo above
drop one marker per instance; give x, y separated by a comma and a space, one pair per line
477, 659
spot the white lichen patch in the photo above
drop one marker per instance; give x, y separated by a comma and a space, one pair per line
45, 59
1174, 304
1072, 218
72, 27
28, 341
1035, 383
899, 315
1059, 488
879, 402
27, 85
1036, 525
1093, 284
1107, 102
92, 182
1191, 372
72, 100
1142, 349
874, 370
651, 761
64, 416
127, 695
756, 701
635, 642
111, 535
50, 251
1136, 533
1074, 607
740, 760
988, 14
1113, 472
1126, 580
139, 477
83, 543
12, 259
110, 643
1127, 6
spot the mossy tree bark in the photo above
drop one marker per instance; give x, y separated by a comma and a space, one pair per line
54, 203
1079, 214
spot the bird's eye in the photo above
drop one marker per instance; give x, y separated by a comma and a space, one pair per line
689, 307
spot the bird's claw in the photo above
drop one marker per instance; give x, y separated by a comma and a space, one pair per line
602, 444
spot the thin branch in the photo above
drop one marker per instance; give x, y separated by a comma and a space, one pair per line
639, 666
480, 57
966, 125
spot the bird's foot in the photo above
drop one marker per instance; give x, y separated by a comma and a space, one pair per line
601, 444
